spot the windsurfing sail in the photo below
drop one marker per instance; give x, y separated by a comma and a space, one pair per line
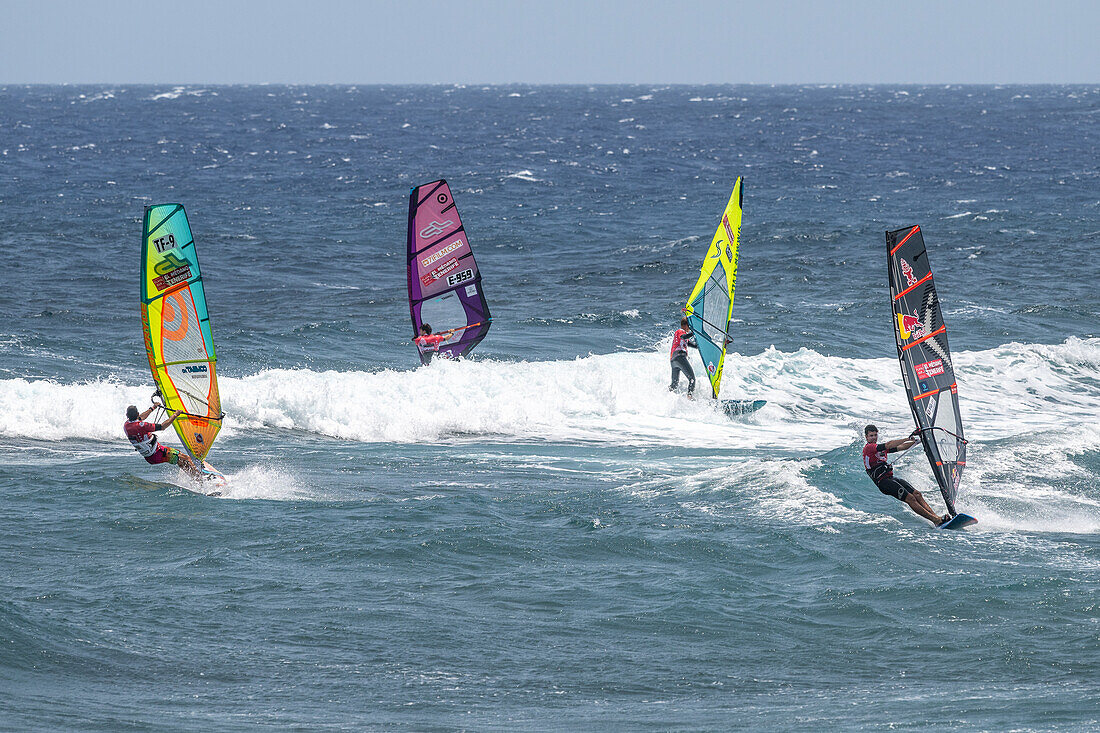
178, 339
926, 365
444, 282
710, 306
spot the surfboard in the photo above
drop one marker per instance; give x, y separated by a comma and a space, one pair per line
958, 522
213, 482
734, 408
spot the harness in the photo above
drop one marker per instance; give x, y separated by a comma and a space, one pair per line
879, 472
146, 446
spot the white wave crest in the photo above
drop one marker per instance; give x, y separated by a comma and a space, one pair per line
1029, 410
815, 400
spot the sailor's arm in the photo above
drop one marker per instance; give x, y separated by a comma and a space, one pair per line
170, 420
902, 444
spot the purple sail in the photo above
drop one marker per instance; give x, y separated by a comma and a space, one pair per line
444, 282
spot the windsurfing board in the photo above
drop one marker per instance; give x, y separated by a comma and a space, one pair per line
958, 521
212, 484
741, 407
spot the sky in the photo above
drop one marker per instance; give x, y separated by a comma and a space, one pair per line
549, 42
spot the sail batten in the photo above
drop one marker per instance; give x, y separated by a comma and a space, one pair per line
444, 282
178, 338
926, 365
710, 306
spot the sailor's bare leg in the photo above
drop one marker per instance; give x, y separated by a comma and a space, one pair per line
917, 503
188, 465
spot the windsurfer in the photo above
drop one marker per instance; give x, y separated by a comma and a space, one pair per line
428, 343
141, 436
882, 473
679, 358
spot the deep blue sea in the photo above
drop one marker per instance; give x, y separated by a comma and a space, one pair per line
542, 536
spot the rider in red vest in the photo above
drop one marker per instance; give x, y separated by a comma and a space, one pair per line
678, 357
141, 436
882, 473
429, 343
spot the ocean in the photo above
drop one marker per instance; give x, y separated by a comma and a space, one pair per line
542, 536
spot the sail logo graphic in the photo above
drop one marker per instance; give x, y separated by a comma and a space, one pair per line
710, 367
929, 369
165, 243
440, 254
910, 326
907, 273
439, 271
434, 228
930, 408
172, 271
460, 277
731, 236
168, 264
195, 371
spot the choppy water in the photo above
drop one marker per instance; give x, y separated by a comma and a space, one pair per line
544, 537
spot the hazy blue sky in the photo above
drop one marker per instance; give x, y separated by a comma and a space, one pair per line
561, 41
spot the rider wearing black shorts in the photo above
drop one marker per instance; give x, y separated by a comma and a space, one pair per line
882, 473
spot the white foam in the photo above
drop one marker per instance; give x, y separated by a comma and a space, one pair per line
615, 398
1029, 410
768, 489
176, 93
275, 483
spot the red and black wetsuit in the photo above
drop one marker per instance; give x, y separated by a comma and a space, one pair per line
679, 358
874, 461
142, 437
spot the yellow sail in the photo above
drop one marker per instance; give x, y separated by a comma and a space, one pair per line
710, 306
178, 339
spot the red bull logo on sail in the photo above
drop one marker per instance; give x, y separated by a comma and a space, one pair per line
909, 326
907, 272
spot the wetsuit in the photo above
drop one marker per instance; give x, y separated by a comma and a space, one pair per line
429, 345
874, 460
679, 359
142, 437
